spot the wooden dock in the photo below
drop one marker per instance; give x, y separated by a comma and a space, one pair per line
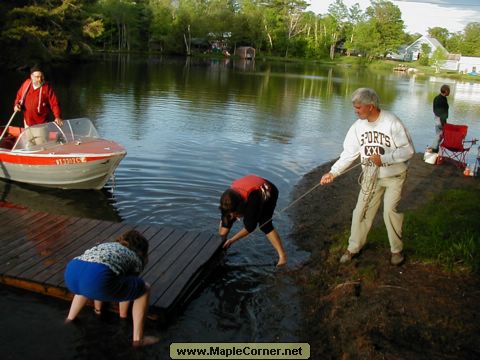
35, 248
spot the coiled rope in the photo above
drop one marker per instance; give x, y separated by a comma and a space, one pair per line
368, 181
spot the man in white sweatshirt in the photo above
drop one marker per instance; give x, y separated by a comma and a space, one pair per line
381, 140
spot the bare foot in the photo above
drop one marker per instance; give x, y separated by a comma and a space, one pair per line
146, 341
281, 262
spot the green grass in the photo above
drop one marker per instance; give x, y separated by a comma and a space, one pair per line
444, 232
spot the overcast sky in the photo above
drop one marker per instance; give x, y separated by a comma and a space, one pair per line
420, 15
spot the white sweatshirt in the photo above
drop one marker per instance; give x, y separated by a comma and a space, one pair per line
386, 136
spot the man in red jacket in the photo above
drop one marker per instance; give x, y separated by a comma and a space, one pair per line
36, 98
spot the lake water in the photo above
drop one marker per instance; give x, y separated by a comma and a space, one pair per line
190, 128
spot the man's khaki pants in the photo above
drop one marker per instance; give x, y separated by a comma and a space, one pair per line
366, 209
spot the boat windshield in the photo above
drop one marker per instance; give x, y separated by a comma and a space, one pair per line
42, 136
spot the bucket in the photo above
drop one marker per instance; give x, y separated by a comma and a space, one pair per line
430, 157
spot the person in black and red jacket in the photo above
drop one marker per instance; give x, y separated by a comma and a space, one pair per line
253, 199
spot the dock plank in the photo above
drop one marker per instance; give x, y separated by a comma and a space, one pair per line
30, 227
7, 236
42, 249
60, 258
160, 251
182, 270
59, 252
30, 235
163, 266
35, 247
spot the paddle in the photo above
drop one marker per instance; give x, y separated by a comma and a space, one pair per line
8, 124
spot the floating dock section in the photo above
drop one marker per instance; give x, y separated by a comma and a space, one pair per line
35, 247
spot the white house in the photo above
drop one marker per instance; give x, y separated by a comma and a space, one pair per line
469, 64
454, 62
451, 62
463, 64
413, 51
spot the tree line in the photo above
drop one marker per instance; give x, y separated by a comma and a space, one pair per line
46, 30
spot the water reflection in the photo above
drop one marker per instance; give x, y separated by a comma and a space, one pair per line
467, 93
190, 127
75, 203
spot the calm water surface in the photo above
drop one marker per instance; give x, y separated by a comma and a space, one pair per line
190, 128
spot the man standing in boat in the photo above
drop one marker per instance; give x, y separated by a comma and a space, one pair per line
37, 99
254, 199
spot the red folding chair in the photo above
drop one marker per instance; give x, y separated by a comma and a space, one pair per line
453, 145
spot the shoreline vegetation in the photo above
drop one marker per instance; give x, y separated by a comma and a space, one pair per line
67, 31
340, 61
368, 309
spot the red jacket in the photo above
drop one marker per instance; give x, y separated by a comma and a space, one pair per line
245, 185
37, 102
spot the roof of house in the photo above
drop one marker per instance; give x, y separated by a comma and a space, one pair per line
435, 44
433, 41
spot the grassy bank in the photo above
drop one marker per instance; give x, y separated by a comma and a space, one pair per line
368, 309
421, 70
444, 232
356, 61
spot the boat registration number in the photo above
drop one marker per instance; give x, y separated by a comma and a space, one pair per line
70, 161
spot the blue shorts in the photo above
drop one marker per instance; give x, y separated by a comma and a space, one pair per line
98, 282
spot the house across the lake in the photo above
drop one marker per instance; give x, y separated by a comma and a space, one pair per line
413, 51
245, 52
469, 65
453, 62
464, 64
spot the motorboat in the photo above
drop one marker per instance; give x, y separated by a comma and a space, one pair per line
71, 156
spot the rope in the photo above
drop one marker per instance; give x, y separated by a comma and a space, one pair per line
306, 193
368, 180
313, 188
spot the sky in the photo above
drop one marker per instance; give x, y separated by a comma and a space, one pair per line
419, 15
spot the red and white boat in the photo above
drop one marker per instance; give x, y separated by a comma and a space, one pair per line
71, 156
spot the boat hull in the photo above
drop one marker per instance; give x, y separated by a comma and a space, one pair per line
68, 174
70, 156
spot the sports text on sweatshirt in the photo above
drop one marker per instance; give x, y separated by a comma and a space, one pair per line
387, 137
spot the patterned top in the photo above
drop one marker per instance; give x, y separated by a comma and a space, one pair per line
120, 259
